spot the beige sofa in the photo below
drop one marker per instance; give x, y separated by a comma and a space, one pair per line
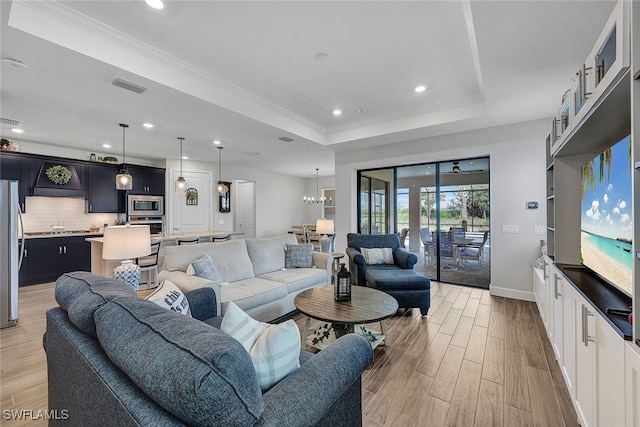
252, 272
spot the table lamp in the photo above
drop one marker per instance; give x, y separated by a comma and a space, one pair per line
324, 227
125, 242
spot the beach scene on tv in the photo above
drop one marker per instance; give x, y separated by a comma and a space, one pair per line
606, 220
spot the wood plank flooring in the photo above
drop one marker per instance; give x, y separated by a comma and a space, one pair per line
476, 360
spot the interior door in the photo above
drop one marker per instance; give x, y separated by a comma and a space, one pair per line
195, 215
245, 207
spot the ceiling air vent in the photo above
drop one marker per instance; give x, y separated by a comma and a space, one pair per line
128, 85
285, 139
10, 122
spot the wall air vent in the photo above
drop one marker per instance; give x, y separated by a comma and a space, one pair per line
285, 139
9, 122
128, 85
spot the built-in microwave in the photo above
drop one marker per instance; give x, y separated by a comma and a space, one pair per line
142, 205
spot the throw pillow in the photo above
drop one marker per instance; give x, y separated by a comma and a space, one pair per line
241, 326
274, 349
276, 353
204, 267
298, 256
377, 255
170, 297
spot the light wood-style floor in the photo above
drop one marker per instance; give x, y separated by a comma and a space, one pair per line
475, 360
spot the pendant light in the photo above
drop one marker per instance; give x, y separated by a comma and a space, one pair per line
221, 187
310, 200
181, 183
124, 181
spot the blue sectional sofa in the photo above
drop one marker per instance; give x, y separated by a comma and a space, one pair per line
115, 358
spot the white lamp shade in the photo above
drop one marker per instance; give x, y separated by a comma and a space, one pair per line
126, 242
324, 226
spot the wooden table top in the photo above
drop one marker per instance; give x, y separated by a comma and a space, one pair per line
366, 306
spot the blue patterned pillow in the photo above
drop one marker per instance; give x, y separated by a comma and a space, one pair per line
203, 267
299, 256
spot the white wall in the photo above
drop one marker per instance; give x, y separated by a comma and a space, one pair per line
517, 156
278, 197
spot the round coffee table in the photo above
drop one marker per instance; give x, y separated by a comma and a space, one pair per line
367, 305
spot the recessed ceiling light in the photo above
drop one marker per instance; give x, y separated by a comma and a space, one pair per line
17, 130
361, 110
216, 142
420, 88
185, 157
156, 4
337, 112
106, 145
148, 125
322, 57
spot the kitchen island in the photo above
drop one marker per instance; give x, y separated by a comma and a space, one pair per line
105, 267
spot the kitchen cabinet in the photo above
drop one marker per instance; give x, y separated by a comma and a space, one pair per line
14, 166
600, 368
632, 385
147, 180
48, 258
102, 196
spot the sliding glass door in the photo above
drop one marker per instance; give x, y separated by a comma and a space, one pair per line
445, 206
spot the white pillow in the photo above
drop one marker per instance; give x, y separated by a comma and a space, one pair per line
377, 255
276, 353
241, 326
274, 349
170, 297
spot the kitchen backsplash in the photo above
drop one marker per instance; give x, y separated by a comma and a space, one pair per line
43, 212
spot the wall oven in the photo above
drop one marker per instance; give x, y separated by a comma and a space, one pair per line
147, 206
155, 223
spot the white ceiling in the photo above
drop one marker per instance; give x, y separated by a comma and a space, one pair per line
246, 73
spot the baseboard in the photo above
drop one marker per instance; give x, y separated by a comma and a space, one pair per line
512, 293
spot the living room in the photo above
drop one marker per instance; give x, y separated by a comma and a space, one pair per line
509, 125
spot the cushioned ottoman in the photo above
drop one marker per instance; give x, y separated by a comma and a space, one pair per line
408, 287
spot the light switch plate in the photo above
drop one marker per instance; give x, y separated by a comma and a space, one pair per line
510, 229
540, 229
220, 221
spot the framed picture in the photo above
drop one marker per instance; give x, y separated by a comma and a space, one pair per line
224, 199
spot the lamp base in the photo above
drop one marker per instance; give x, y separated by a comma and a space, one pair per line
128, 273
325, 243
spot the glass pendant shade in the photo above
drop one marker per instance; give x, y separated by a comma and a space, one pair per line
124, 180
222, 187
181, 183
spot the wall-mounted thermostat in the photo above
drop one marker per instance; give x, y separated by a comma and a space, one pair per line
532, 205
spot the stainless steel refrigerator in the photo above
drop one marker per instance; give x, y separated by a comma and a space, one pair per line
11, 252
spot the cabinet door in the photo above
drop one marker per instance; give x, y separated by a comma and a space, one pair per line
568, 366
585, 361
632, 384
558, 319
76, 255
45, 260
139, 185
155, 181
15, 168
102, 195
610, 376
23, 274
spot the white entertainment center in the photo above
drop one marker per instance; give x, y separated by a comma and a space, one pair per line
598, 353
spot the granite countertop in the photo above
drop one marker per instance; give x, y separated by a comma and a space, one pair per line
67, 233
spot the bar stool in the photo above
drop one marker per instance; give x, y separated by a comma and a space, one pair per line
220, 238
149, 264
188, 241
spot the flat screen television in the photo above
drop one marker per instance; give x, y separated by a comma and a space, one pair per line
607, 216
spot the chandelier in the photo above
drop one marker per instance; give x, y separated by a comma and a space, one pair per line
310, 200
